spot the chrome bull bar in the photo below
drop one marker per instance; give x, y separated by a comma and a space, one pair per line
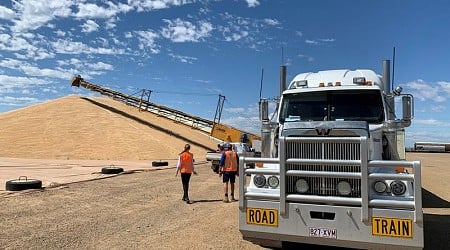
364, 201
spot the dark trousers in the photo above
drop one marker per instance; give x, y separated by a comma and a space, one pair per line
185, 180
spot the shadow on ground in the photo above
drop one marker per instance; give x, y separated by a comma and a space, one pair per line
430, 200
205, 201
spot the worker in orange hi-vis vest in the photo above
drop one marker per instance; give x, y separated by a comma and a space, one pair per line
185, 166
228, 168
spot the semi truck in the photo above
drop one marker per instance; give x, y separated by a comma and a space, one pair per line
333, 169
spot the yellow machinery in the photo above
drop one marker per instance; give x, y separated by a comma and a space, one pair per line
227, 133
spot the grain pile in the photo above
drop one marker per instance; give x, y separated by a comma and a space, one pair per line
94, 128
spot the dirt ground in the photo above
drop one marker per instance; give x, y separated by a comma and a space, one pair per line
79, 208
142, 210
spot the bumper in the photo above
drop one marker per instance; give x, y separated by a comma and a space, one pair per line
349, 231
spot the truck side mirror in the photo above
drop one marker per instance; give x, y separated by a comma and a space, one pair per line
263, 110
408, 107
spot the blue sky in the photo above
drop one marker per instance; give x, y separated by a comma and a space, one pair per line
187, 52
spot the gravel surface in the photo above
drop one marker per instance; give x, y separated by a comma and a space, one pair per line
142, 210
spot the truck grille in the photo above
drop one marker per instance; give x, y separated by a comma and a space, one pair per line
327, 151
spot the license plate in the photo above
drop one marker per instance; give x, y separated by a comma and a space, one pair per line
393, 227
263, 217
323, 232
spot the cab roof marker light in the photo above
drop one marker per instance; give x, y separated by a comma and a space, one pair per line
321, 84
359, 80
299, 84
330, 84
337, 84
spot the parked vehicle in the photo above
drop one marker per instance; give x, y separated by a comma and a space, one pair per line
242, 149
333, 166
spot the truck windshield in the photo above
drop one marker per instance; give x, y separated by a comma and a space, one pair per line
348, 105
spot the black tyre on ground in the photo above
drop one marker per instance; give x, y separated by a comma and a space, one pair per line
160, 163
23, 183
112, 170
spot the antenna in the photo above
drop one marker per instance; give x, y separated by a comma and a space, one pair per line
393, 68
261, 84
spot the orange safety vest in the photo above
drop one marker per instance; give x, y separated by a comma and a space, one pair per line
230, 163
186, 163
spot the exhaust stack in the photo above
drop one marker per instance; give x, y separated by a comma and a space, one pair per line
282, 80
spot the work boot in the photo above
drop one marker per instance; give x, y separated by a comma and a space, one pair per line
232, 198
225, 199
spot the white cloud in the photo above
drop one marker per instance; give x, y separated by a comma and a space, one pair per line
6, 13
299, 33
111, 23
70, 47
32, 14
60, 33
248, 124
148, 5
14, 43
17, 101
34, 71
89, 26
235, 36
327, 40
9, 82
445, 86
147, 40
439, 108
183, 59
272, 22
311, 42
101, 66
425, 91
52, 73
432, 122
90, 10
308, 58
252, 3
184, 31
319, 41
236, 110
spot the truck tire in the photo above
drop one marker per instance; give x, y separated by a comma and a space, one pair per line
22, 184
160, 163
112, 170
215, 168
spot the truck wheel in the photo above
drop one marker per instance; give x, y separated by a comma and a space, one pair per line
112, 170
215, 168
160, 163
23, 183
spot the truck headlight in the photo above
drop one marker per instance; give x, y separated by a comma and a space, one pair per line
344, 188
380, 187
259, 180
302, 186
273, 181
398, 187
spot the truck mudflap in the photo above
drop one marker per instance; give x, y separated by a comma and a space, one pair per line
341, 226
